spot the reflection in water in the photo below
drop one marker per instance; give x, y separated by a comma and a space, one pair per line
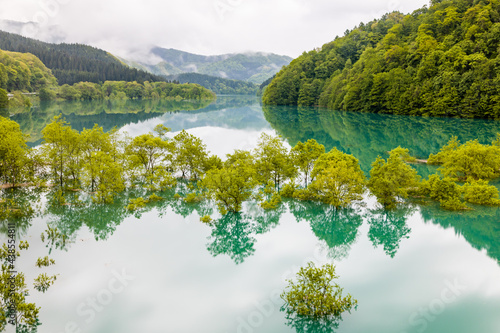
366, 135
389, 228
232, 235
303, 324
337, 227
116, 113
480, 227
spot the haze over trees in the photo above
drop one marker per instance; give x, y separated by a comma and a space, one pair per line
437, 61
72, 63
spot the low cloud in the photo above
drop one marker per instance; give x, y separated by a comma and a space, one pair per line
207, 27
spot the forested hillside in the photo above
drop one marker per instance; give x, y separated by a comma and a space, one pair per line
217, 84
72, 63
438, 61
23, 71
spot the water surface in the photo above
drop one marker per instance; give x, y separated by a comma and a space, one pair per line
414, 270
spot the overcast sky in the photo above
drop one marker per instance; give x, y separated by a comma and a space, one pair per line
208, 27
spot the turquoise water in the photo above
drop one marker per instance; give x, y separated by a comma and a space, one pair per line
161, 270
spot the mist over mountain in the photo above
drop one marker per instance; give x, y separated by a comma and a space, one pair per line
255, 67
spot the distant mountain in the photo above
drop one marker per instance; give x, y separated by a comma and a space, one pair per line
217, 84
72, 63
251, 67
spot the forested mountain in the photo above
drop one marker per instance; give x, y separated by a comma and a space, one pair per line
23, 71
217, 84
72, 63
251, 67
438, 61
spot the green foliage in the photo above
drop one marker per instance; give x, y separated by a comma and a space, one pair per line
136, 204
481, 193
71, 63
193, 198
206, 219
273, 162
338, 179
438, 61
315, 295
13, 292
444, 190
189, 155
471, 160
305, 154
13, 153
217, 84
23, 72
61, 150
230, 186
392, 179
4, 99
55, 238
43, 282
146, 154
45, 262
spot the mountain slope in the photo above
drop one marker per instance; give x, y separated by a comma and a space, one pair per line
216, 84
437, 61
24, 71
251, 67
71, 63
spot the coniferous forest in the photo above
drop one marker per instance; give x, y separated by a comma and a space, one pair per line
72, 63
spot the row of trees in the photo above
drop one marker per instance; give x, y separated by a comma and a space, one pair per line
106, 163
437, 61
127, 90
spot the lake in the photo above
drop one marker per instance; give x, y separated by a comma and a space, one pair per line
421, 269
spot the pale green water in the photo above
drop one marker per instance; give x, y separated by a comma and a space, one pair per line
189, 277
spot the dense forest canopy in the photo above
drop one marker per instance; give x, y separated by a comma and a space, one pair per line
23, 71
438, 61
72, 63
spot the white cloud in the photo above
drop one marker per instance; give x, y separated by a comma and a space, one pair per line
204, 26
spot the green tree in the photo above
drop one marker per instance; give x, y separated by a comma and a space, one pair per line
273, 161
481, 193
391, 180
147, 154
315, 295
189, 155
232, 185
62, 150
305, 154
444, 190
13, 152
4, 99
338, 179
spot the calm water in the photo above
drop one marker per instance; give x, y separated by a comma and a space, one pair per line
418, 270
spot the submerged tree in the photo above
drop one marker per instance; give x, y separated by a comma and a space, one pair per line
13, 152
233, 184
273, 162
305, 154
314, 298
62, 151
391, 180
338, 179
